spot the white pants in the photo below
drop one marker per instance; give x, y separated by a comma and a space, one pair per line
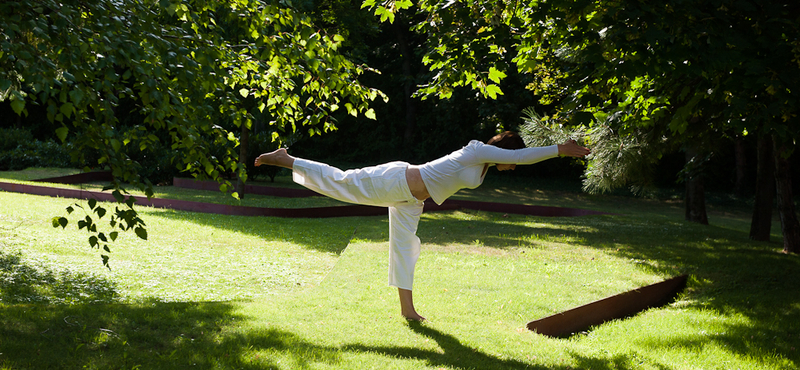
384, 186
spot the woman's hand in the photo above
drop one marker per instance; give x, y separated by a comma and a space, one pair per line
571, 149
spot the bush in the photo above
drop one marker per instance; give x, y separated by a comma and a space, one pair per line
18, 151
10, 138
155, 163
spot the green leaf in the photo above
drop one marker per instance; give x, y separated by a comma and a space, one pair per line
92, 203
67, 109
18, 105
493, 90
496, 75
118, 196
244, 92
141, 232
93, 241
100, 212
76, 96
60, 221
113, 235
62, 132
370, 114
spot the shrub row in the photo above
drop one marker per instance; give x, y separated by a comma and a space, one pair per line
19, 150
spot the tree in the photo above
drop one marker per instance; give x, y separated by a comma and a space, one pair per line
636, 77
185, 65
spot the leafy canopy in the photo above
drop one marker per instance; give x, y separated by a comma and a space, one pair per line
635, 77
184, 66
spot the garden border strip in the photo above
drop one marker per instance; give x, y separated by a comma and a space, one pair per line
566, 323
544, 211
314, 212
185, 205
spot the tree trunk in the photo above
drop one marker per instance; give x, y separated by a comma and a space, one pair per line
761, 224
695, 191
740, 187
783, 186
408, 81
244, 145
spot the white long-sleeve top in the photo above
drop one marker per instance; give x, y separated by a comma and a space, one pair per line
464, 167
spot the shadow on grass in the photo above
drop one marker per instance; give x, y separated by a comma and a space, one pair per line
39, 331
456, 355
156, 336
196, 335
52, 320
23, 282
453, 353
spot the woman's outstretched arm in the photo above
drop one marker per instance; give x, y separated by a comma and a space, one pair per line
572, 149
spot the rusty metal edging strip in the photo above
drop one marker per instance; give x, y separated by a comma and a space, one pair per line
449, 204
184, 205
615, 307
316, 212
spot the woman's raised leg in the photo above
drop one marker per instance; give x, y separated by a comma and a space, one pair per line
278, 158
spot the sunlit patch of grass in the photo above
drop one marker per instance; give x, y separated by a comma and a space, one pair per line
35, 173
187, 257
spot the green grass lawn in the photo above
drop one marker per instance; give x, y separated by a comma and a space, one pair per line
231, 292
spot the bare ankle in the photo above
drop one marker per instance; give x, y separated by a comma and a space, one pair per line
278, 157
407, 306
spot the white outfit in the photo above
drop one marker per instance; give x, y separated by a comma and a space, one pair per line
464, 168
383, 186
386, 186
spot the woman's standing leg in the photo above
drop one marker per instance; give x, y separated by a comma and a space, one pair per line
404, 249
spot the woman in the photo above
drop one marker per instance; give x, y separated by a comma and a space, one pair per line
403, 188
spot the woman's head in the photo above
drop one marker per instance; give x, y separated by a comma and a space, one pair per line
507, 140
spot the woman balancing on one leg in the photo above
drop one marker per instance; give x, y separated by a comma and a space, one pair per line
403, 187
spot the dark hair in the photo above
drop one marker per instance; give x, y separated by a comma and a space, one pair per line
507, 140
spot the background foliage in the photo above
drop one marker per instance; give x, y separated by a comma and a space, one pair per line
126, 81
157, 89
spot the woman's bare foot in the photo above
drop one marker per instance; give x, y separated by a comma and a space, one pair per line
407, 306
278, 158
414, 317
